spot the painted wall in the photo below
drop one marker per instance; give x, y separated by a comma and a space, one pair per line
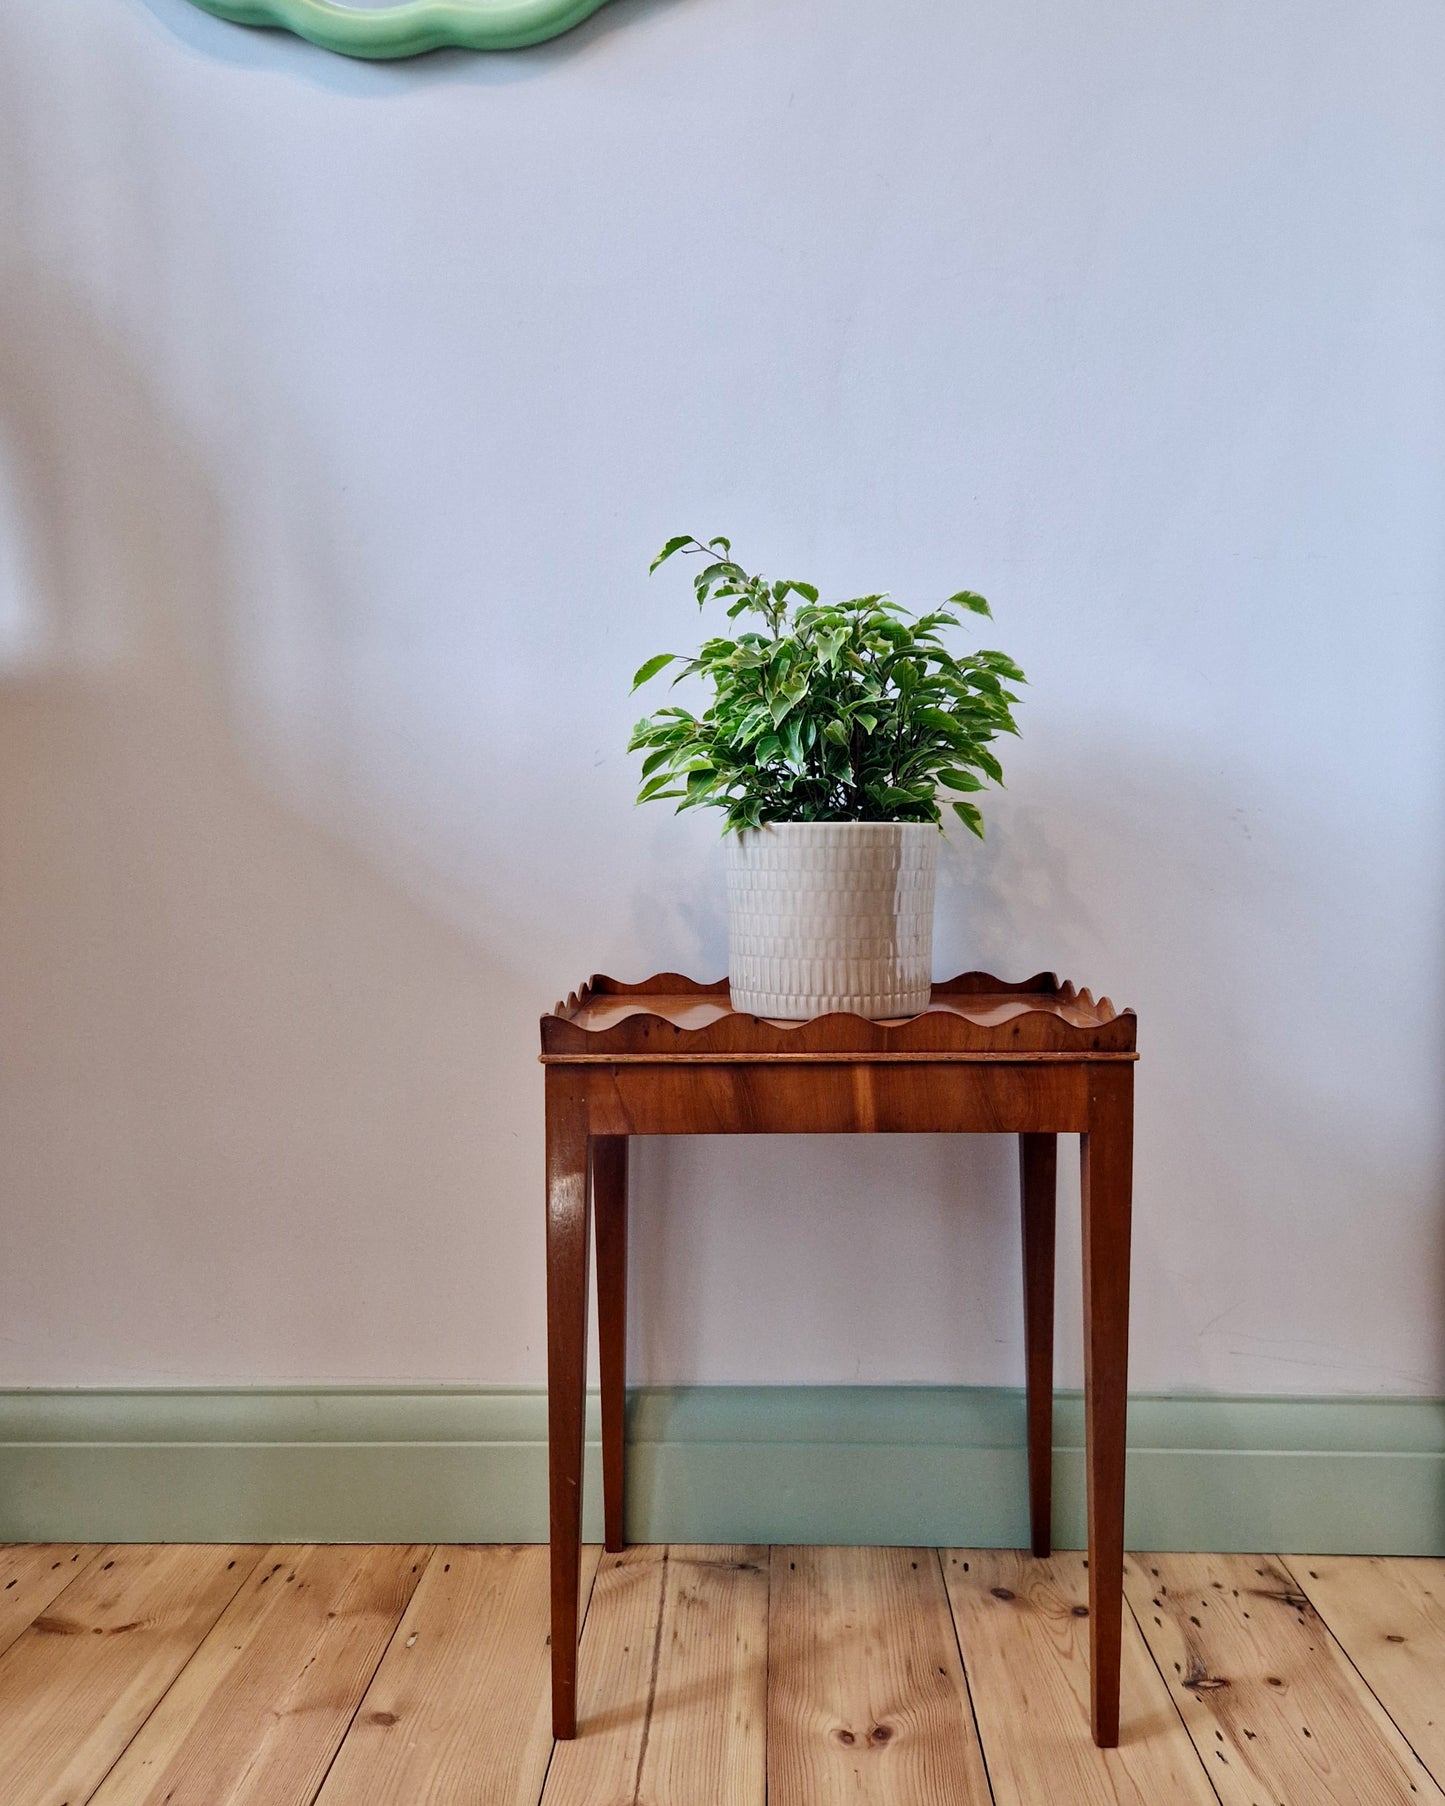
340, 410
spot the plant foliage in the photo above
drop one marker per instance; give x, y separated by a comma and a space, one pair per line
846, 711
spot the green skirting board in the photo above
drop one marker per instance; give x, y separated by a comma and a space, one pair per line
846, 1464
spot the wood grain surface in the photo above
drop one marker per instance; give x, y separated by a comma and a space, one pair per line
260, 1710
675, 1681
711, 1674
1022, 1626
459, 1709
31, 1575
1390, 1618
1273, 1705
80, 1681
866, 1692
669, 1017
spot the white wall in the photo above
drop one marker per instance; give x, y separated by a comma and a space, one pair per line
340, 410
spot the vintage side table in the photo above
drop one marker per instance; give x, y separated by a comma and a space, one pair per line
672, 1057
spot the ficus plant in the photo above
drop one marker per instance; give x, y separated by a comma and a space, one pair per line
825, 711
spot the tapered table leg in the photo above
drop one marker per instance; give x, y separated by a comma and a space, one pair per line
609, 1201
1108, 1157
567, 1214
1038, 1166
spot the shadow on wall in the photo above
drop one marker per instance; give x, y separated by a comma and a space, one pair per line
259, 1094
239, 1043
1281, 1089
268, 1114
273, 1108
1266, 1091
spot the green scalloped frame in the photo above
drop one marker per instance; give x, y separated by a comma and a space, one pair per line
412, 27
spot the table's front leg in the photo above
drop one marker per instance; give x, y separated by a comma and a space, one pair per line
609, 1204
1108, 1160
567, 1214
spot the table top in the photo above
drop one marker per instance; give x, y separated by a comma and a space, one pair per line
973, 1016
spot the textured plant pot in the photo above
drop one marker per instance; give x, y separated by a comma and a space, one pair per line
831, 916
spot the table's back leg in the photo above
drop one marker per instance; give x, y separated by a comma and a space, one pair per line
1108, 1156
609, 1200
567, 1213
1038, 1165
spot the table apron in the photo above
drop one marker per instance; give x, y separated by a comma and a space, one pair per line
836, 1098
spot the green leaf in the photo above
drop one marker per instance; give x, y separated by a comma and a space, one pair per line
1001, 665
823, 712
673, 545
970, 817
971, 600
652, 667
714, 573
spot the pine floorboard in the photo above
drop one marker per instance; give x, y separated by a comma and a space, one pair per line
357, 1676
1389, 1616
1274, 1706
31, 1574
674, 1670
866, 1693
459, 1713
260, 1710
84, 1675
1023, 1627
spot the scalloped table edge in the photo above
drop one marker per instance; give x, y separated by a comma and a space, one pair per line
697, 1051
412, 28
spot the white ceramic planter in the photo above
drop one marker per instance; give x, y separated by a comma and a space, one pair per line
831, 916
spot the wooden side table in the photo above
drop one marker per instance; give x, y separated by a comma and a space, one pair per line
672, 1057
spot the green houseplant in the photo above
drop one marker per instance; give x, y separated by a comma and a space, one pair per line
831, 738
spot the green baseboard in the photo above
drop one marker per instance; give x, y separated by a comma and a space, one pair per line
845, 1464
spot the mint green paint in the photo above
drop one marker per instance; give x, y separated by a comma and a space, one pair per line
413, 27
713, 1464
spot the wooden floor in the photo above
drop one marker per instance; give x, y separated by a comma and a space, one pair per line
353, 1676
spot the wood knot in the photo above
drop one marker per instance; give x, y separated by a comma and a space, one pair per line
1078, 1611
1200, 1680
1296, 1602
881, 1733
847, 1739
381, 1718
1001, 1593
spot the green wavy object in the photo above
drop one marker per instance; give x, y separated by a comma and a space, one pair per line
413, 27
